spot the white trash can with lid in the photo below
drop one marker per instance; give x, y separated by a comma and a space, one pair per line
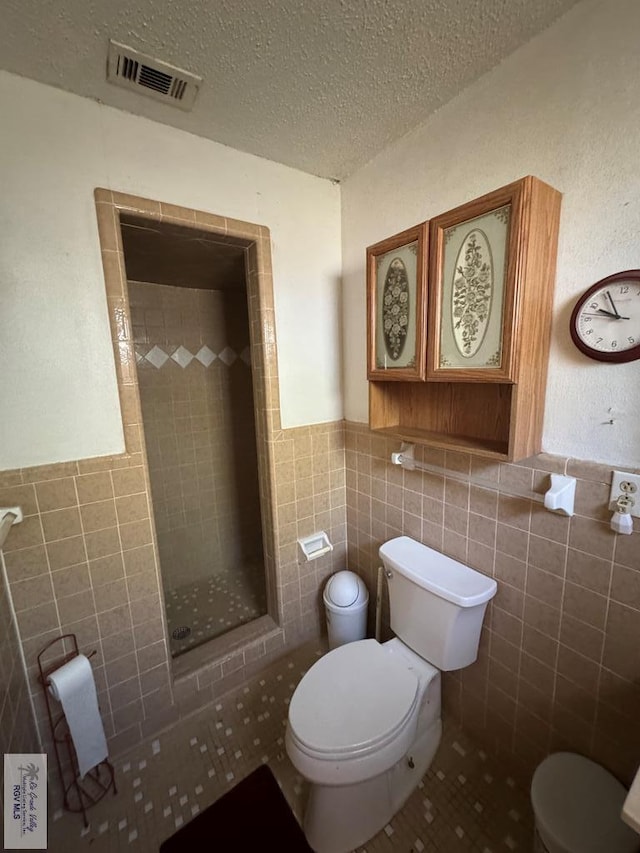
577, 806
345, 600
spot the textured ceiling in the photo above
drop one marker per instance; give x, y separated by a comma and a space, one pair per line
321, 85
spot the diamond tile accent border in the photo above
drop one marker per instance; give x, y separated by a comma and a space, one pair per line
157, 356
182, 356
205, 355
228, 356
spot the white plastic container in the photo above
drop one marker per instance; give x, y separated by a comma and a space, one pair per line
345, 600
577, 805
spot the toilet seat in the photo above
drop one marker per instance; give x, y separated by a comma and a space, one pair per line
353, 702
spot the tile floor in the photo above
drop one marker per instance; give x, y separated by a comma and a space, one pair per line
212, 607
464, 802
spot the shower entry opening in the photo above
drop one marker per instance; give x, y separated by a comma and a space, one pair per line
191, 329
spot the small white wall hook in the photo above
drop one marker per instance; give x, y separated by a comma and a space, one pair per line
11, 510
561, 496
406, 457
9, 515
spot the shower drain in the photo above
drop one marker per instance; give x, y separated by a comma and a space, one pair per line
181, 633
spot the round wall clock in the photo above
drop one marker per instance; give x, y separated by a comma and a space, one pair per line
605, 322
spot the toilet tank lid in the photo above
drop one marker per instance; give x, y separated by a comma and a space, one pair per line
441, 575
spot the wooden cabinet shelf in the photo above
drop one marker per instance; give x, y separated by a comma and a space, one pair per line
448, 441
454, 415
494, 405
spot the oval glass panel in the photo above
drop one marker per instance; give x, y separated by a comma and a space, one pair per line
395, 308
472, 293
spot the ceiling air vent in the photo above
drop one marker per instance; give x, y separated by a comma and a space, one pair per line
134, 70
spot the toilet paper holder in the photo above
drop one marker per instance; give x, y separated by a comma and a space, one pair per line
76, 796
315, 545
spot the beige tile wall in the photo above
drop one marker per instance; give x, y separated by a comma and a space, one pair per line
85, 558
199, 430
83, 561
310, 495
17, 729
559, 666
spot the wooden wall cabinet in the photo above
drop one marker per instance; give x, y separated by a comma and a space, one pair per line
490, 298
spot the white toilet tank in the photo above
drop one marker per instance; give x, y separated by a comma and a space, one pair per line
437, 604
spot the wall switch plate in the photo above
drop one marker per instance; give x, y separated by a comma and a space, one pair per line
626, 485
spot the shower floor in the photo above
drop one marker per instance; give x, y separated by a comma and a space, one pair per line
215, 605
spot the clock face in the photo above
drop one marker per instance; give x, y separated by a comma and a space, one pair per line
605, 323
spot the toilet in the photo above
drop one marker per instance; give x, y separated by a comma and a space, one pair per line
577, 806
364, 722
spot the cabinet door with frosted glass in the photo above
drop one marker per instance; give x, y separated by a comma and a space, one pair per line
397, 306
474, 279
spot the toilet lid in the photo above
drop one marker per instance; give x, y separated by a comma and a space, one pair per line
353, 700
578, 804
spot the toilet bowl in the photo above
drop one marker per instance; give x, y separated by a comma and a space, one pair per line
364, 722
364, 714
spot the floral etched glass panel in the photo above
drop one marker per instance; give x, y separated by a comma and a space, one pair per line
473, 276
395, 324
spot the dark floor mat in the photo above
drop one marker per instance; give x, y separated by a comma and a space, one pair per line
252, 816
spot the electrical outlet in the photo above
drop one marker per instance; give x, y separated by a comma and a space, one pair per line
627, 486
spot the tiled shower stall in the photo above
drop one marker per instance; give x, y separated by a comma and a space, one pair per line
194, 374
